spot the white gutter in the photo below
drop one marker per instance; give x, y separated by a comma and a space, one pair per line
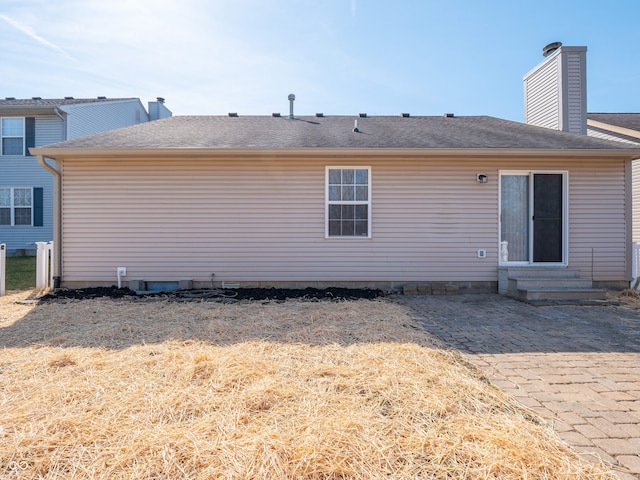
57, 220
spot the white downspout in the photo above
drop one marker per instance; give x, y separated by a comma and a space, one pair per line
64, 122
57, 220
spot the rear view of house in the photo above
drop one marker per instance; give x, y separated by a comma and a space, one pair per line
26, 190
338, 200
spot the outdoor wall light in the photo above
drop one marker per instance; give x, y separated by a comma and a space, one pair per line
482, 178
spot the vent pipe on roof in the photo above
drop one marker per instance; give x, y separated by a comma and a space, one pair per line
291, 98
550, 48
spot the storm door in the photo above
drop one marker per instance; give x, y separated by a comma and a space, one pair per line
532, 217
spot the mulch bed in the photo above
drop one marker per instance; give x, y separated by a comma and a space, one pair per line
236, 294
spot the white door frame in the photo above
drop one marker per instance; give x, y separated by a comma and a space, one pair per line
565, 216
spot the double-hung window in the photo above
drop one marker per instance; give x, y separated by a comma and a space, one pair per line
348, 209
13, 137
16, 206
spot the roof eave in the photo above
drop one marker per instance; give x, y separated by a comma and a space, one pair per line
54, 153
614, 128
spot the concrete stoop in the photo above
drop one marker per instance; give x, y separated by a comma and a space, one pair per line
547, 284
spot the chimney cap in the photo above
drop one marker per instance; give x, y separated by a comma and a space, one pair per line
550, 48
160, 99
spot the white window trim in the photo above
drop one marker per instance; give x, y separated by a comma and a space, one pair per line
24, 137
12, 207
355, 202
565, 213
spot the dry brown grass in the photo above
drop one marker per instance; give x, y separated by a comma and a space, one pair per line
294, 390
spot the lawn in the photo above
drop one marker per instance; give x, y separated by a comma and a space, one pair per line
21, 273
149, 388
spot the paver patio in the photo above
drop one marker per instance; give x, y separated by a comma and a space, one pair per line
577, 366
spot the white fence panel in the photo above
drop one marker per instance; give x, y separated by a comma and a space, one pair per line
3, 269
44, 264
635, 267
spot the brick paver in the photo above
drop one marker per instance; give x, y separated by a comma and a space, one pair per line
578, 366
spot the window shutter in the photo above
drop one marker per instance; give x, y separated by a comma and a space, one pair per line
30, 133
38, 207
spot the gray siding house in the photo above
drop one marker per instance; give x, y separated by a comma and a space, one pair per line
26, 190
319, 200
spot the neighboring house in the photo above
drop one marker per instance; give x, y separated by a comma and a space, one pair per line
623, 127
555, 94
323, 200
26, 190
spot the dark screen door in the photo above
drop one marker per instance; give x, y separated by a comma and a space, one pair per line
547, 217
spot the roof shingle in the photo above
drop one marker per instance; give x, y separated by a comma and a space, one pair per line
336, 132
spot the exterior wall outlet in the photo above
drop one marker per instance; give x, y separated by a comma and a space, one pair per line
122, 271
482, 253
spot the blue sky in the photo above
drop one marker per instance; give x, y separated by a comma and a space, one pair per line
343, 57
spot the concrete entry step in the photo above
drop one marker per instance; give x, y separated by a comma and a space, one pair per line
547, 284
561, 294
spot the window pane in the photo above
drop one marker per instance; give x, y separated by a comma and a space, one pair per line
348, 212
335, 212
12, 127
361, 228
334, 228
362, 193
335, 176
334, 193
22, 216
347, 228
362, 177
5, 197
12, 146
348, 177
22, 197
362, 212
348, 193
5, 216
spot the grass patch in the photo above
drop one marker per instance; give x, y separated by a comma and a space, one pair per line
147, 389
21, 273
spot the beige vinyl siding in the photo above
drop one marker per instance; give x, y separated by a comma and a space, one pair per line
597, 221
263, 220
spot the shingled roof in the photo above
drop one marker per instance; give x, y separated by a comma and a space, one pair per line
333, 132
